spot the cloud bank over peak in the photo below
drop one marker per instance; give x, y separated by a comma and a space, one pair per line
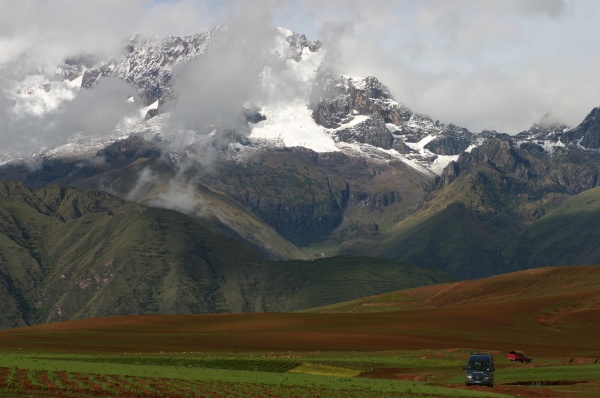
498, 64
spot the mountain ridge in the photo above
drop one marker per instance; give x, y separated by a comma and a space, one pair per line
72, 255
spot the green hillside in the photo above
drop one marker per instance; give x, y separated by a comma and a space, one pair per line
567, 235
71, 255
463, 229
488, 222
294, 285
573, 291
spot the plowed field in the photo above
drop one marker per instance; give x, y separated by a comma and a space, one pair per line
552, 314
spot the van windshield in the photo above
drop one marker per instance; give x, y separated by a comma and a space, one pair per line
479, 365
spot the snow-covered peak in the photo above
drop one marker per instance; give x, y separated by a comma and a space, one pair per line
299, 101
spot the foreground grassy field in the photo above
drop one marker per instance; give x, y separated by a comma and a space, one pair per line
426, 373
408, 343
180, 375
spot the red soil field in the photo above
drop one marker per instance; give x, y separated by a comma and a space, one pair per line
545, 312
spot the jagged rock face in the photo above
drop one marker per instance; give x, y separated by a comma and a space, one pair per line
329, 100
570, 173
418, 127
401, 147
336, 99
587, 134
301, 201
152, 65
499, 154
532, 148
564, 156
337, 102
127, 150
149, 63
305, 196
298, 43
450, 173
574, 178
73, 67
558, 135
544, 132
494, 151
369, 97
371, 131
452, 140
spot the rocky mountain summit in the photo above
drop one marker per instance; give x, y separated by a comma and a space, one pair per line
587, 134
361, 112
149, 63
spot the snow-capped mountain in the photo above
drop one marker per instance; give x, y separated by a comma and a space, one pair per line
298, 102
149, 63
256, 135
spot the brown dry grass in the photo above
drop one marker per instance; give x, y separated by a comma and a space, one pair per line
546, 312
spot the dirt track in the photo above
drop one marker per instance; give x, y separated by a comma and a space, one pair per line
511, 390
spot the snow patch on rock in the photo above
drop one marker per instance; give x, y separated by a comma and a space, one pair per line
291, 125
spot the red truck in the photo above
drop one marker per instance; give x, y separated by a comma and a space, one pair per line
517, 356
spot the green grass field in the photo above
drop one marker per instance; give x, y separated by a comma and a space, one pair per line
426, 373
272, 375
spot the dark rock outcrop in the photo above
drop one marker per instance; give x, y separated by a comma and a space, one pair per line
587, 134
298, 43
336, 100
127, 150
452, 140
149, 63
371, 131
571, 173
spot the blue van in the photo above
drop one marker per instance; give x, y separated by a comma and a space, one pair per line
480, 369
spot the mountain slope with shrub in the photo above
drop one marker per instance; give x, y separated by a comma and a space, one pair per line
72, 255
500, 208
567, 235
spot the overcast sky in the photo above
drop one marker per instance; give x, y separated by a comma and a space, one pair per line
495, 64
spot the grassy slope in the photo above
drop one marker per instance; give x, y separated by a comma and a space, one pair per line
70, 255
568, 235
540, 283
21, 226
230, 217
546, 312
214, 208
540, 309
462, 229
294, 285
474, 228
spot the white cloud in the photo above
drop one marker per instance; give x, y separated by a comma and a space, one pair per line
93, 113
495, 64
